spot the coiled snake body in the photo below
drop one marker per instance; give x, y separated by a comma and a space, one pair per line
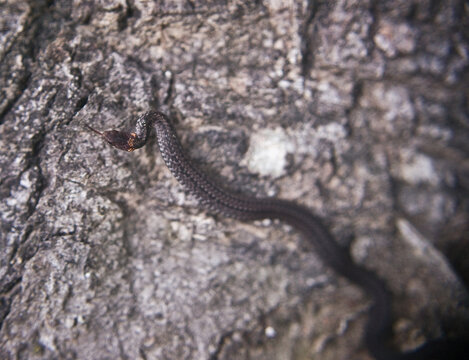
216, 199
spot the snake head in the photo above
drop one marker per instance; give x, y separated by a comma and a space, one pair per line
121, 140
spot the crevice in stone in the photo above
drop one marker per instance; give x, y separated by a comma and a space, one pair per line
26, 44
307, 35
80, 104
21, 86
220, 345
33, 159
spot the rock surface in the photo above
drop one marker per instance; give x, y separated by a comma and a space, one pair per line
356, 110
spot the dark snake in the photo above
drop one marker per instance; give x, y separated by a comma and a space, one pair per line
216, 199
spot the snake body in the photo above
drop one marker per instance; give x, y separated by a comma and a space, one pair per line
218, 200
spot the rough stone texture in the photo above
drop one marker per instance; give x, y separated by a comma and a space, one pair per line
102, 255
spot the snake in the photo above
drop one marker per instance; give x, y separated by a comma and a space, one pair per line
216, 199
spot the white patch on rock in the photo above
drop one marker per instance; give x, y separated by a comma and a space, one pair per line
270, 332
267, 152
417, 169
394, 101
395, 38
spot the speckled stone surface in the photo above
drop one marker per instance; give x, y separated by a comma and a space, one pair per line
355, 109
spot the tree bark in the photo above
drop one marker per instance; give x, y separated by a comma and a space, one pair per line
356, 109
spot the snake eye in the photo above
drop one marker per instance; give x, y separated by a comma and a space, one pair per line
120, 140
